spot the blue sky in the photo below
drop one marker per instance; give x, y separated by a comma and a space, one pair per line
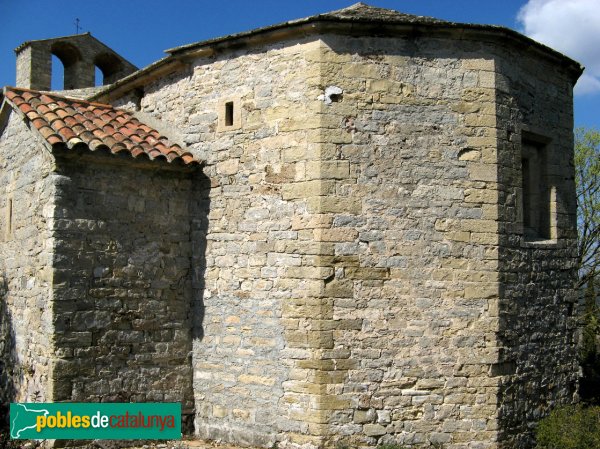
141, 29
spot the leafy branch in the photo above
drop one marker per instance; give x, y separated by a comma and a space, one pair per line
587, 179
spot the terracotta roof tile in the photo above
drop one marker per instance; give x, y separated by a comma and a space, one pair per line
78, 129
119, 137
39, 122
57, 124
28, 95
47, 132
67, 133
53, 139
71, 122
61, 113
26, 108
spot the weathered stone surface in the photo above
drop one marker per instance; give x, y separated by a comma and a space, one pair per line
400, 188
101, 309
26, 322
125, 288
80, 55
354, 269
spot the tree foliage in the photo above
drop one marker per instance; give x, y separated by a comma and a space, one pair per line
587, 179
591, 327
570, 427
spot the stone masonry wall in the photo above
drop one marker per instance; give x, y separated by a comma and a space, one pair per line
387, 326
425, 255
79, 54
537, 319
357, 269
354, 287
123, 282
26, 244
413, 241
253, 358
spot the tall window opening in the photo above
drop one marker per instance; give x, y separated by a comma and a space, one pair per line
98, 77
69, 56
537, 220
229, 114
58, 74
108, 68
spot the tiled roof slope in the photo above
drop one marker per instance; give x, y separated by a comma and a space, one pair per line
71, 122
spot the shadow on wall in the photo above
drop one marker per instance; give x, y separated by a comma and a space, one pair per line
200, 209
536, 365
7, 357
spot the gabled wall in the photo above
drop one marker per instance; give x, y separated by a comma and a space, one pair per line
79, 54
96, 270
27, 187
123, 281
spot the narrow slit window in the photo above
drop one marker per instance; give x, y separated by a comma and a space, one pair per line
9, 218
526, 193
229, 113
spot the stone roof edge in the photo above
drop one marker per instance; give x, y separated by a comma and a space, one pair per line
5, 110
31, 41
87, 33
164, 66
7, 106
324, 17
326, 23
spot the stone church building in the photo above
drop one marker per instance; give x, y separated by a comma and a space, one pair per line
358, 227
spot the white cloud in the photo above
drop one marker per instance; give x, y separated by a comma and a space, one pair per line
571, 27
587, 84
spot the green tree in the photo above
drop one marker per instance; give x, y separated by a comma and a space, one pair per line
587, 179
570, 427
588, 350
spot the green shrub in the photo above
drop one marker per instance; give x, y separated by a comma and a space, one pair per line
570, 427
7, 443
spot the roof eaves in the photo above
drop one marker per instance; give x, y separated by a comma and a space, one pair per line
341, 15
163, 66
243, 34
29, 42
416, 23
82, 153
530, 44
316, 24
98, 145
